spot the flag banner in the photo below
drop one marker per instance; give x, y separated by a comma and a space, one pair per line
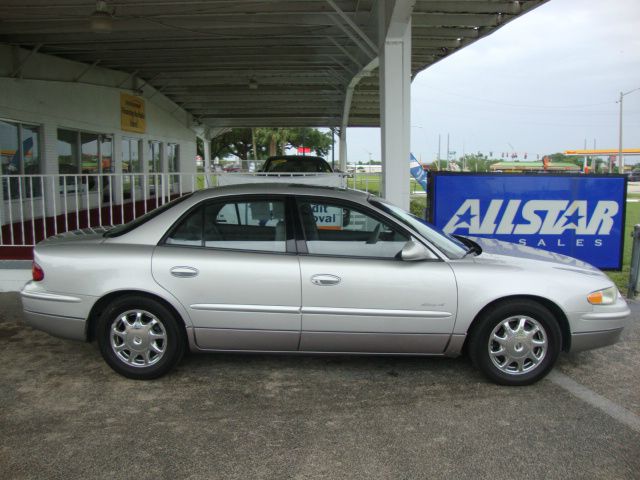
417, 171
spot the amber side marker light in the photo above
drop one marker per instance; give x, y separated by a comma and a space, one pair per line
606, 296
595, 298
36, 272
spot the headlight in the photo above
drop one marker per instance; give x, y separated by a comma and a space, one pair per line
606, 296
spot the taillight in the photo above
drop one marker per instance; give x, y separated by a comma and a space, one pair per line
36, 272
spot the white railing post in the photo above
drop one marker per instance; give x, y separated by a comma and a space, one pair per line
33, 213
21, 205
3, 215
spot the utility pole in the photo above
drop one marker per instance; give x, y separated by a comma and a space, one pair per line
620, 160
464, 160
438, 159
447, 166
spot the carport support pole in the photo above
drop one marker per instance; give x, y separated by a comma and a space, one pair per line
634, 270
343, 148
206, 161
395, 97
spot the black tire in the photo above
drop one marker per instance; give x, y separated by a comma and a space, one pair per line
507, 373
162, 338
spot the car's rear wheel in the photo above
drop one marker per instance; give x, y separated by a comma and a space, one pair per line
515, 342
140, 338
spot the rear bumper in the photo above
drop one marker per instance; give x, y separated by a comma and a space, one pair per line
63, 327
590, 340
61, 315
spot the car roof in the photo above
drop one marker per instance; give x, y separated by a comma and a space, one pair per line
150, 232
280, 189
296, 157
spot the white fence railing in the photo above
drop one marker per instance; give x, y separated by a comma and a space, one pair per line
34, 207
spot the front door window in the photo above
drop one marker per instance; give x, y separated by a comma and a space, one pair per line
339, 230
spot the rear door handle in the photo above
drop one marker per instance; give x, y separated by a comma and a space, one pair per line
325, 279
184, 272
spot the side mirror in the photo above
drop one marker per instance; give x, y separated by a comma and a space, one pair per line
414, 251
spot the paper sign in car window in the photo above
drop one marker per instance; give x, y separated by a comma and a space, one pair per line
327, 217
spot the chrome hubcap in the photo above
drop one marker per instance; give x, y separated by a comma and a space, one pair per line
517, 345
138, 338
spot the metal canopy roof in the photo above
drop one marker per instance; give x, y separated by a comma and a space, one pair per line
251, 62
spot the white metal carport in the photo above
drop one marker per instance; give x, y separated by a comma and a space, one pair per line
330, 63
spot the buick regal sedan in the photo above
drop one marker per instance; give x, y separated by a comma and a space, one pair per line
286, 268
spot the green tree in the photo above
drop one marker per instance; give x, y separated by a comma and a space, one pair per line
236, 142
239, 142
561, 157
199, 146
276, 140
476, 162
319, 142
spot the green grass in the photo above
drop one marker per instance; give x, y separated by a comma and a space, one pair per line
418, 205
200, 181
621, 278
370, 182
365, 182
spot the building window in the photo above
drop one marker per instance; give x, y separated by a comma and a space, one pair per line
173, 160
83, 153
131, 164
173, 165
20, 155
89, 153
131, 156
68, 152
154, 166
106, 154
154, 156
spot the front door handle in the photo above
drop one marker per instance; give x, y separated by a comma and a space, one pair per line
184, 272
325, 279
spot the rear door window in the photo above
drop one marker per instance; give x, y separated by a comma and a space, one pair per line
256, 225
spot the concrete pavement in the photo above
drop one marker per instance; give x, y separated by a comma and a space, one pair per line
65, 414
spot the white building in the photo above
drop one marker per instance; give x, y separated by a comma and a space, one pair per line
68, 132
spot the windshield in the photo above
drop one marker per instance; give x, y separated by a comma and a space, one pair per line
127, 227
448, 245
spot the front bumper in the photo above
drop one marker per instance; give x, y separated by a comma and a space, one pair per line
600, 327
590, 340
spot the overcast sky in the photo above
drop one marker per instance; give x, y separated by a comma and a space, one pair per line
541, 84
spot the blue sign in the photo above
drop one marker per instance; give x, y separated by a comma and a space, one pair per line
577, 215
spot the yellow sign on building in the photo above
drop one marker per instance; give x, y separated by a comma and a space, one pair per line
132, 115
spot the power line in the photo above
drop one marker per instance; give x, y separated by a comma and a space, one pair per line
551, 107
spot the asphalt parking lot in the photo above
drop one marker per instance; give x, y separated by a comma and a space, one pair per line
65, 414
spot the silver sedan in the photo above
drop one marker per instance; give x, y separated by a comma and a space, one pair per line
286, 268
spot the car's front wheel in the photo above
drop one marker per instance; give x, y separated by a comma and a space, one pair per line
140, 338
515, 342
